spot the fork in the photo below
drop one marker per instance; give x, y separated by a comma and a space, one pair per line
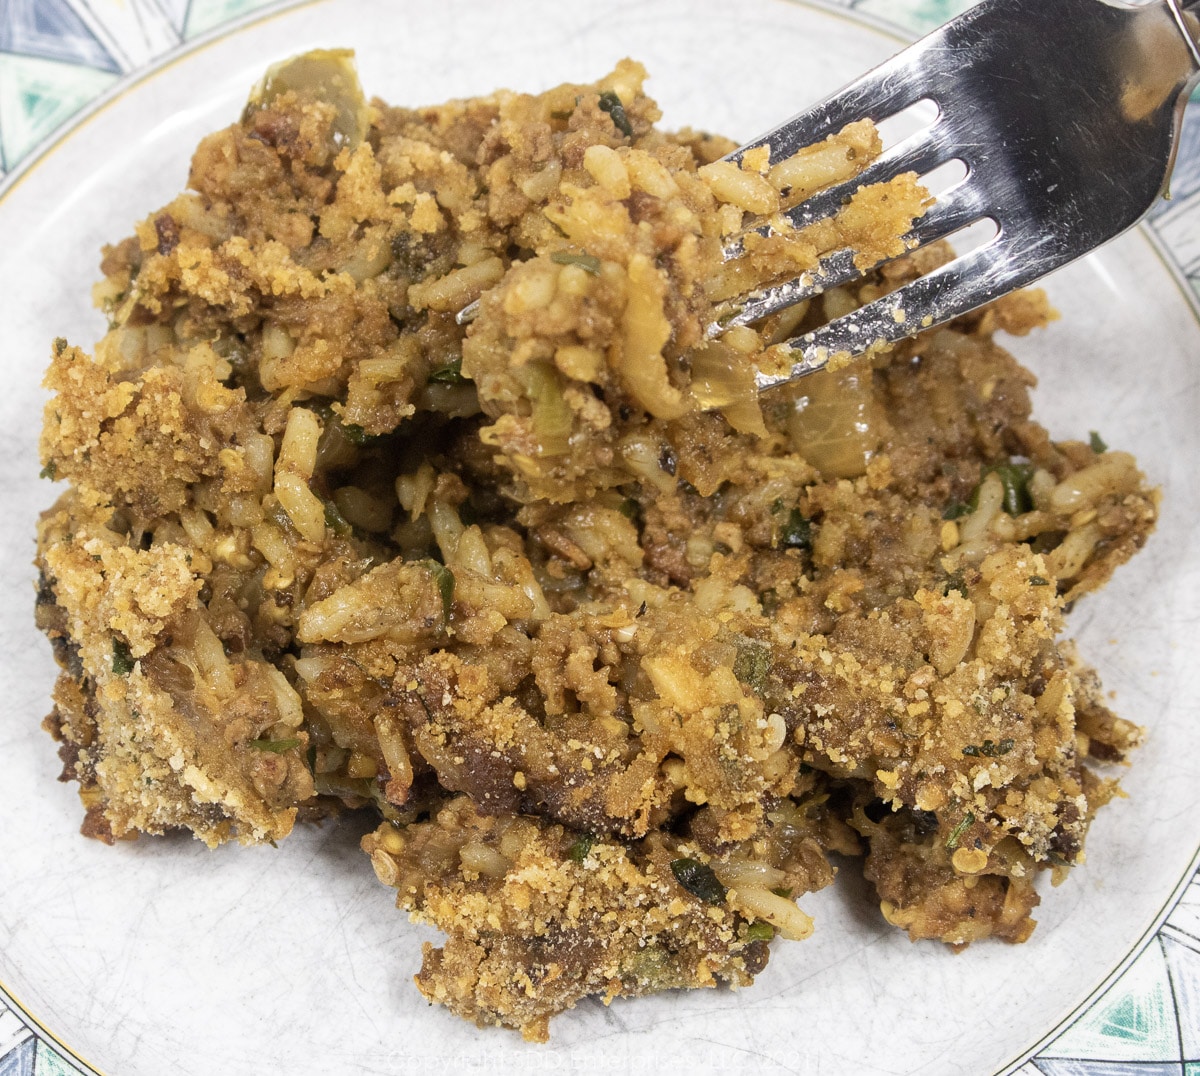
1066, 114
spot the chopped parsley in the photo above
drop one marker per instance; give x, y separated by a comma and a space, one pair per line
448, 374
956, 833
336, 522
276, 747
356, 435
611, 103
760, 931
122, 659
1097, 443
988, 749
1014, 477
580, 848
444, 578
797, 532
50, 471
588, 262
729, 315
752, 664
698, 879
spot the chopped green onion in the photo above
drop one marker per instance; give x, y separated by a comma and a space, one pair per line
448, 374
588, 262
967, 822
1097, 443
698, 879
580, 848
122, 659
611, 103
276, 747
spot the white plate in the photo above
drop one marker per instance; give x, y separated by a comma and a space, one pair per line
159, 956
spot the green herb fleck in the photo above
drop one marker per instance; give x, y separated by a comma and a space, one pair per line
760, 931
797, 531
588, 262
580, 848
448, 374
356, 435
967, 822
725, 318
276, 747
1015, 479
444, 578
336, 522
630, 509
1097, 443
611, 103
989, 749
1038, 581
122, 660
752, 664
698, 879
50, 471
956, 510
955, 581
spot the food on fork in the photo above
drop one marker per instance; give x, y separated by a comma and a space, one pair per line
618, 653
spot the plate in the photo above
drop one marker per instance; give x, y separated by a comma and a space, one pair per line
159, 956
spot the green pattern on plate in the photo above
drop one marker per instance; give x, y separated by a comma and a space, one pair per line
50, 1063
1133, 1021
919, 16
205, 14
38, 96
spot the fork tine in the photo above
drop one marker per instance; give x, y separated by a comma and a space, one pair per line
890, 88
955, 209
836, 269
920, 153
955, 288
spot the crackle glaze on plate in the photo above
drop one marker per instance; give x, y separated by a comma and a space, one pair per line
158, 956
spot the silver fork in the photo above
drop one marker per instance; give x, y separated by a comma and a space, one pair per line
1066, 114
